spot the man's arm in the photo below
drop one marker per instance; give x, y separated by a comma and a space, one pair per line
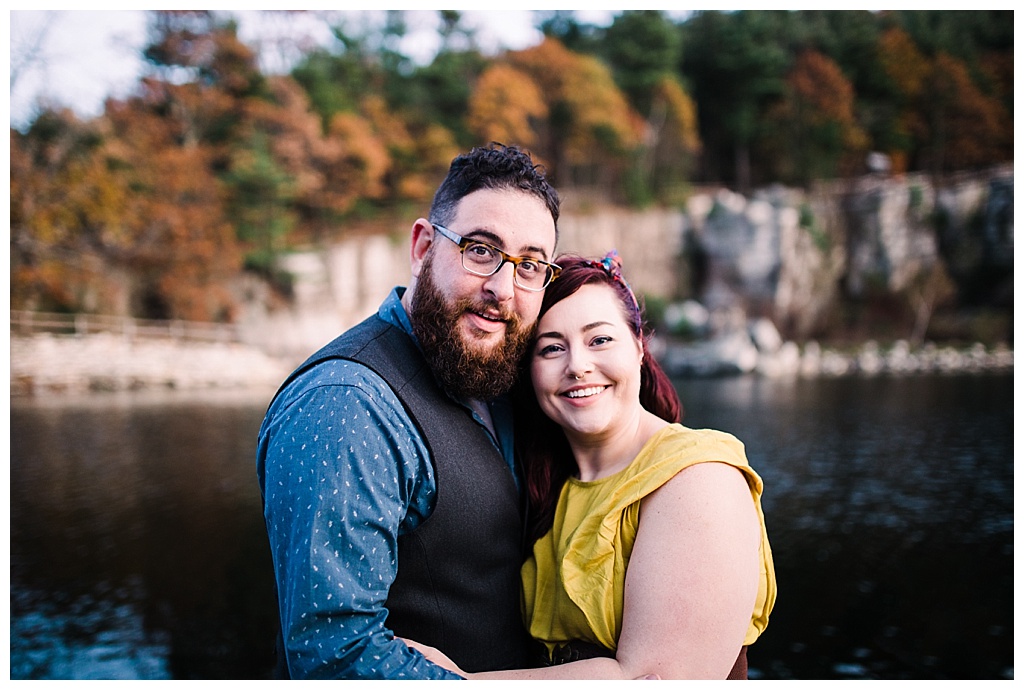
342, 477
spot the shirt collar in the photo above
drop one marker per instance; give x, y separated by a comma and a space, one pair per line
393, 312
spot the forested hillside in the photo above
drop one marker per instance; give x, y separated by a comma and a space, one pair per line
214, 168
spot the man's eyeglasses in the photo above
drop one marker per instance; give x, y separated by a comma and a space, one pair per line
482, 259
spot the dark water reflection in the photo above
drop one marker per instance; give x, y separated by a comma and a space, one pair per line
138, 550
137, 546
890, 509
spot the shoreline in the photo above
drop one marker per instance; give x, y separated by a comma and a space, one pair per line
734, 355
46, 365
108, 363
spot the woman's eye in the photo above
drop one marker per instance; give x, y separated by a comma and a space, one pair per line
548, 350
601, 340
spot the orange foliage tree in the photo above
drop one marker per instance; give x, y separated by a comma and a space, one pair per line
817, 134
183, 250
590, 132
110, 218
418, 152
968, 128
66, 207
506, 106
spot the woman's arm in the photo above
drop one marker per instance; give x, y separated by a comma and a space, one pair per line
690, 585
693, 576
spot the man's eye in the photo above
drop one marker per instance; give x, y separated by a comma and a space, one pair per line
529, 267
479, 251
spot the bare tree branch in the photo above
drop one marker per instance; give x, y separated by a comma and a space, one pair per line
27, 48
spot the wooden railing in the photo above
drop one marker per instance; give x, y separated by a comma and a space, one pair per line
33, 322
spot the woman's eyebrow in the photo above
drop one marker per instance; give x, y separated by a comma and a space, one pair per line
588, 327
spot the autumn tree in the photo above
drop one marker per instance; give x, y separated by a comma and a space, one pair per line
818, 135
907, 70
139, 215
184, 252
366, 78
200, 73
282, 148
359, 169
848, 37
590, 131
950, 68
202, 104
506, 106
967, 128
115, 216
66, 206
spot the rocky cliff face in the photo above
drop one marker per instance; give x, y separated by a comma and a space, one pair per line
799, 258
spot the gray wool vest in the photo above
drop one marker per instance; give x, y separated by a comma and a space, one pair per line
458, 584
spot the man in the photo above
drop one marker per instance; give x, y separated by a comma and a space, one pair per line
385, 461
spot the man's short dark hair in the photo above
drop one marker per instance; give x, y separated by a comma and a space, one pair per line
492, 167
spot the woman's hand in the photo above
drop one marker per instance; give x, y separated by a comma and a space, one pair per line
433, 655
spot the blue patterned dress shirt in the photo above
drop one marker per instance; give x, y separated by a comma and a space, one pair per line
344, 471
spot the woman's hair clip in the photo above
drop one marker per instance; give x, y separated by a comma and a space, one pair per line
612, 265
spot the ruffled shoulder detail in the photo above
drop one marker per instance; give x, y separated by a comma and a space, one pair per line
588, 569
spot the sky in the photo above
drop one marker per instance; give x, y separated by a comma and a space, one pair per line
79, 58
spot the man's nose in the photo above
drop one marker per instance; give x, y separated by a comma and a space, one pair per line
501, 283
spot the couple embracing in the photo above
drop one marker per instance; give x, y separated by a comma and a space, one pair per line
488, 477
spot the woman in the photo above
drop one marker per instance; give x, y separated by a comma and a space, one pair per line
652, 556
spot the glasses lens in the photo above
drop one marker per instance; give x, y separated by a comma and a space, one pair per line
536, 280
481, 259
532, 275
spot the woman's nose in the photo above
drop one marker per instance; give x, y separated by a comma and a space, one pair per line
577, 367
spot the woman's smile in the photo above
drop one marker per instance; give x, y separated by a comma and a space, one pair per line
587, 392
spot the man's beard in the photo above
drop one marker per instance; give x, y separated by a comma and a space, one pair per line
463, 371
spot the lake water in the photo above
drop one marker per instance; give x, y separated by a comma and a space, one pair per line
138, 548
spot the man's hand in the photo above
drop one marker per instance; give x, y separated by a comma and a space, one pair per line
438, 657
433, 655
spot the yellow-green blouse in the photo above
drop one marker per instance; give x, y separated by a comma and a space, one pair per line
573, 582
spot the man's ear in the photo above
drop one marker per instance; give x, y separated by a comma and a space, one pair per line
422, 238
